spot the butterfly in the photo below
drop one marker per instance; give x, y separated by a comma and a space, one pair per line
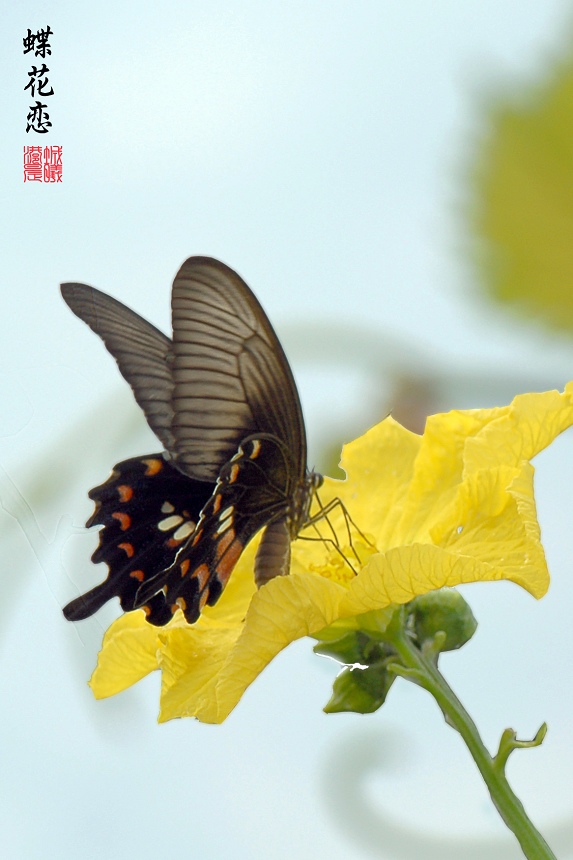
221, 398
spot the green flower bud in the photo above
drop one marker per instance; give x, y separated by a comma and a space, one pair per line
444, 610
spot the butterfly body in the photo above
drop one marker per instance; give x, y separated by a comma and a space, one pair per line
221, 397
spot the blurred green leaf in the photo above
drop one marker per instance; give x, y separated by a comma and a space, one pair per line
523, 200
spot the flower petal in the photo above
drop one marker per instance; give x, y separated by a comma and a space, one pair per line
285, 609
128, 654
379, 466
402, 573
438, 469
521, 431
191, 661
493, 519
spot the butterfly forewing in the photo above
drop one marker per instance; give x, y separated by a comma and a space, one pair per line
140, 349
231, 377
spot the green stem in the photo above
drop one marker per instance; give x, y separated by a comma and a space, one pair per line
420, 668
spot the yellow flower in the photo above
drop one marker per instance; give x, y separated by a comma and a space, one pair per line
452, 506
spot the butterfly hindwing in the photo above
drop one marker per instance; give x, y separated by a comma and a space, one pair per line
148, 509
250, 492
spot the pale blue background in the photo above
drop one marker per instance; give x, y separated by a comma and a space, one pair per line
321, 149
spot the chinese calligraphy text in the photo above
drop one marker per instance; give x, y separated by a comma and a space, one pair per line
41, 163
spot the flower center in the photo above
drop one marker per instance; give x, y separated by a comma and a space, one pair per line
342, 564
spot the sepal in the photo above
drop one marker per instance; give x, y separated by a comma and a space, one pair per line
354, 647
360, 689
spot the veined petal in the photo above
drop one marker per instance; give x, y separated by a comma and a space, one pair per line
403, 573
128, 654
379, 466
286, 609
528, 426
493, 518
191, 661
439, 468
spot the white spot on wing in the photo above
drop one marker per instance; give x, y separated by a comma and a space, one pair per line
224, 526
184, 531
169, 523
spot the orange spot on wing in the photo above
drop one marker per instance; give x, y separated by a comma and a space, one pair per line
138, 574
197, 537
234, 473
172, 543
202, 573
225, 567
184, 566
146, 609
180, 603
127, 548
217, 503
153, 466
125, 492
203, 599
124, 520
225, 542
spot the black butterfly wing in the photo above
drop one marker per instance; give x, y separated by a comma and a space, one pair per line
223, 378
231, 377
252, 491
148, 510
141, 351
